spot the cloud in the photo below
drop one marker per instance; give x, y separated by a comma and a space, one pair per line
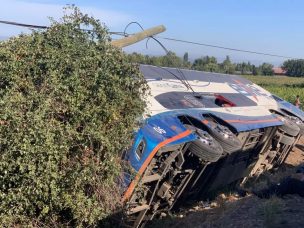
38, 13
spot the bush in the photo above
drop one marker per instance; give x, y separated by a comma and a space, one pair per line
69, 101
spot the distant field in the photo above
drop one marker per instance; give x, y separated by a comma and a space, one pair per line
285, 87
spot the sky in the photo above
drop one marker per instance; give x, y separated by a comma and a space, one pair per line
271, 26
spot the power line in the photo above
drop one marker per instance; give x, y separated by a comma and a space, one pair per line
23, 25
165, 38
45, 27
183, 78
225, 48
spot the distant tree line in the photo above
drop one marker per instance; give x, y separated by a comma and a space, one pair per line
294, 67
205, 63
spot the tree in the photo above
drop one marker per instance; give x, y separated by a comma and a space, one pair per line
244, 68
266, 69
198, 64
227, 66
294, 67
209, 63
171, 60
186, 57
206, 63
136, 58
255, 70
186, 63
69, 102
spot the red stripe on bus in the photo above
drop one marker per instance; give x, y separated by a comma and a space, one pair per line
253, 121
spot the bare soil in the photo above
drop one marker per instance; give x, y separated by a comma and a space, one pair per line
296, 157
230, 210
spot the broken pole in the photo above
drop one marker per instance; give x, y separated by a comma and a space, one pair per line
138, 36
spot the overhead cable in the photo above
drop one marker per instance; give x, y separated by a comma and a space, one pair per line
222, 47
164, 38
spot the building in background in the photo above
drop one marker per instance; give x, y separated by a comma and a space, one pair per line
279, 71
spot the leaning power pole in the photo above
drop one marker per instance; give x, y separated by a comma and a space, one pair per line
127, 41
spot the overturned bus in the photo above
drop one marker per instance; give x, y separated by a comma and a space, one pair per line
203, 131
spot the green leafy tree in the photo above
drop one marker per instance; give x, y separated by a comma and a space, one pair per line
136, 58
171, 60
294, 67
198, 64
244, 68
69, 101
168, 60
186, 57
255, 70
207, 63
227, 66
266, 69
186, 62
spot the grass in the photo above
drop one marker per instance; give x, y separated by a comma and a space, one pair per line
285, 87
271, 211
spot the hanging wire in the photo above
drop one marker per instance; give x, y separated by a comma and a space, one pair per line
182, 79
161, 37
127, 26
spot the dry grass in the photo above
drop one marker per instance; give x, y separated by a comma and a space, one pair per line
270, 211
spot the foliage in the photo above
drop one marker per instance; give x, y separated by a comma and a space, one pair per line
168, 60
69, 101
250, 69
186, 57
205, 63
266, 69
245, 68
294, 67
186, 62
285, 87
227, 66
255, 70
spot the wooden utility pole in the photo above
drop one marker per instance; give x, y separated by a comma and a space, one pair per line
138, 36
